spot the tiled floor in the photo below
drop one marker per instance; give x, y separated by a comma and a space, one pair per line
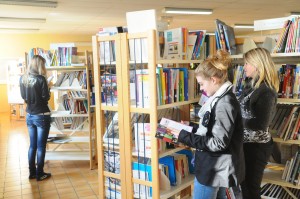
70, 179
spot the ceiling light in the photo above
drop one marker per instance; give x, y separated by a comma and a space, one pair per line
19, 29
192, 11
14, 19
245, 26
36, 3
295, 13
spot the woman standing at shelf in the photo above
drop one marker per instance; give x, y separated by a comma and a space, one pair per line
219, 157
258, 104
35, 92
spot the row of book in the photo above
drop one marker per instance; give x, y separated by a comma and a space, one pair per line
173, 169
62, 56
75, 79
225, 37
273, 191
75, 106
173, 85
291, 172
71, 123
286, 121
177, 43
289, 38
289, 81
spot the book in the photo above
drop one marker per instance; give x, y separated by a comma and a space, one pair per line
142, 172
142, 139
168, 130
230, 39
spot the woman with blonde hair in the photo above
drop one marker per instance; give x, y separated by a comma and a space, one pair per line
35, 92
258, 103
218, 140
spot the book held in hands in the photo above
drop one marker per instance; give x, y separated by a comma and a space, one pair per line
168, 130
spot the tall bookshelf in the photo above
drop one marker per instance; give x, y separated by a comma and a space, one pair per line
15, 69
273, 172
120, 155
73, 127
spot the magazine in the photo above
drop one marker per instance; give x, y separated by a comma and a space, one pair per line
168, 130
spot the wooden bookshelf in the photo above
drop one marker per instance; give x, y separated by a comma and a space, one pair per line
125, 110
83, 141
17, 111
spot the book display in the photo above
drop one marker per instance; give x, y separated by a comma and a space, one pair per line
72, 133
15, 69
133, 163
283, 179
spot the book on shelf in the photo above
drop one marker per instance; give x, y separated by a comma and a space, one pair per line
112, 161
176, 43
142, 172
61, 140
143, 139
109, 94
197, 46
111, 134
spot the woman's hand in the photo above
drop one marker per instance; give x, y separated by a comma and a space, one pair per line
185, 122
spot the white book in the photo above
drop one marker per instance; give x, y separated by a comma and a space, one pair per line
143, 139
174, 126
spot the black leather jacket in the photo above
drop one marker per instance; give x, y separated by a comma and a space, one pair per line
36, 94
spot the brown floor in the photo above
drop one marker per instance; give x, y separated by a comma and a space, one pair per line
70, 179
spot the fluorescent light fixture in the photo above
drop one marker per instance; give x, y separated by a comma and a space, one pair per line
211, 33
14, 19
191, 11
245, 26
35, 3
19, 29
295, 13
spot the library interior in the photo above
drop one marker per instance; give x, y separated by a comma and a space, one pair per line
123, 80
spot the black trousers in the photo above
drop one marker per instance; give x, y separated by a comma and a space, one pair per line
256, 159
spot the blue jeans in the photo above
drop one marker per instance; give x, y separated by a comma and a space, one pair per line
208, 192
38, 128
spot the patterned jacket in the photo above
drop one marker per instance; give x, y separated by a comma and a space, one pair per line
258, 107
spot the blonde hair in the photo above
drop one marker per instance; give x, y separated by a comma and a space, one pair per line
36, 67
261, 59
215, 66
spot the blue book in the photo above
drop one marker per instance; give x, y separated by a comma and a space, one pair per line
169, 161
143, 172
190, 157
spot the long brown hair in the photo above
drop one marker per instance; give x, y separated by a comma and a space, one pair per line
36, 67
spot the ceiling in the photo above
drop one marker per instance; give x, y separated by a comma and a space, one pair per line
87, 16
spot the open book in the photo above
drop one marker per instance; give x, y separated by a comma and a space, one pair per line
168, 130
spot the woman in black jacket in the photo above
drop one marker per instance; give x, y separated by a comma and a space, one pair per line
219, 158
258, 104
35, 92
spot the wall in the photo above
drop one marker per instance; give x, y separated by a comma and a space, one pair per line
15, 46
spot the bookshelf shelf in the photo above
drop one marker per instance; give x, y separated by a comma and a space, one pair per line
274, 177
73, 140
170, 151
66, 114
175, 189
66, 68
67, 89
177, 61
67, 155
178, 104
109, 107
287, 100
280, 140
